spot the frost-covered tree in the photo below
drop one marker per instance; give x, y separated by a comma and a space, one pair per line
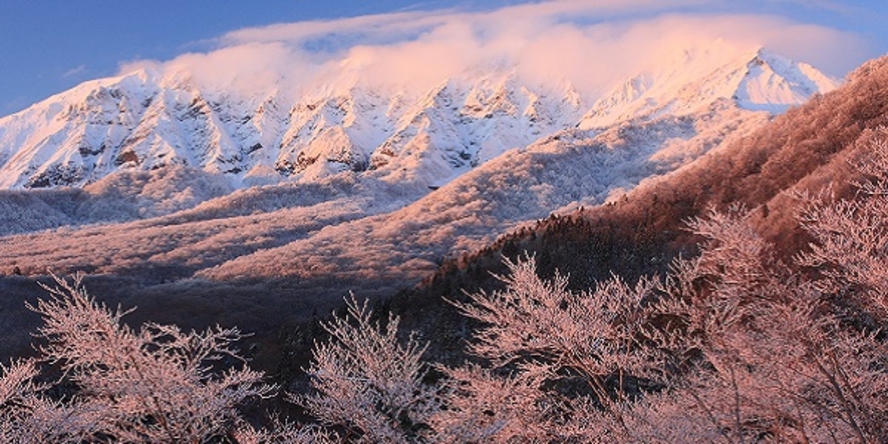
733, 346
27, 415
786, 354
540, 335
156, 384
852, 237
774, 361
368, 384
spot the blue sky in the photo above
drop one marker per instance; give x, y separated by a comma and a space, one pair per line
49, 46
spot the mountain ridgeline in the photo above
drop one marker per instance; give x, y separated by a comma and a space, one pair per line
147, 120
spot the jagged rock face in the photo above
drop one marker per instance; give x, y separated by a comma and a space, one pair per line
146, 121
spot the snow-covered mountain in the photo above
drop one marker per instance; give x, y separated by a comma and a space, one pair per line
361, 184
147, 120
143, 122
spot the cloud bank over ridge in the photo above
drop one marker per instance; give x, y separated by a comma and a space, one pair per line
590, 45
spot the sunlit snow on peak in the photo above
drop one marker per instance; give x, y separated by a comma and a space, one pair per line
694, 79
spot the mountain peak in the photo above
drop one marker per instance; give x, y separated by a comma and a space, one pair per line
757, 80
774, 83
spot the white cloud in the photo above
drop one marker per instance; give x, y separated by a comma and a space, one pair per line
590, 44
75, 71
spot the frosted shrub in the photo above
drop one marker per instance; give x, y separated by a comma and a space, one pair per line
27, 416
368, 384
483, 406
851, 247
157, 384
546, 336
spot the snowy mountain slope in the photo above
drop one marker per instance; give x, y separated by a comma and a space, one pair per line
165, 248
569, 169
118, 197
175, 244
